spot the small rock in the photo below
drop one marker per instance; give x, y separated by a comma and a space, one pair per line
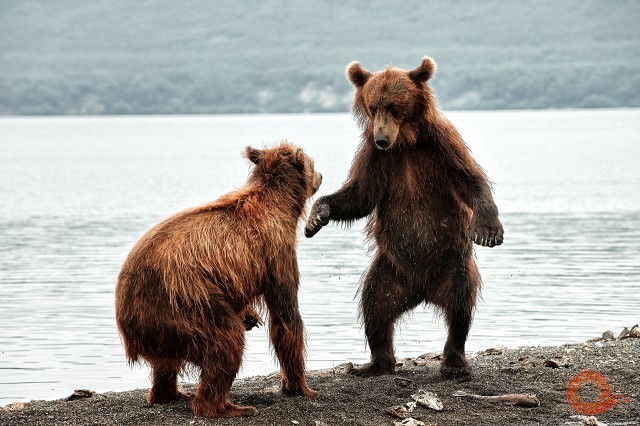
634, 332
295, 422
512, 370
344, 368
498, 350
80, 394
275, 389
557, 363
15, 406
589, 420
551, 363
433, 356
402, 382
608, 335
624, 333
399, 411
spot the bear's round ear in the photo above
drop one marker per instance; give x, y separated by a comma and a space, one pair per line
253, 154
357, 75
299, 159
424, 72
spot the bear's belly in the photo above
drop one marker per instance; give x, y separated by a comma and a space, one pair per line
417, 236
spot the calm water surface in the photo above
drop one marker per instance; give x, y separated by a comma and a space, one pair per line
76, 194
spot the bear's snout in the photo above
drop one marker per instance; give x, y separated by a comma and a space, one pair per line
316, 182
382, 142
385, 130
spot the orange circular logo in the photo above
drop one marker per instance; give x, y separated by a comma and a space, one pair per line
605, 401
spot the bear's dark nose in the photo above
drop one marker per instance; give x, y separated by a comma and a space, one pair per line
382, 142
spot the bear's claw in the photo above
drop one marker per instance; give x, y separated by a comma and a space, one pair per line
369, 370
251, 320
487, 235
454, 372
318, 218
455, 366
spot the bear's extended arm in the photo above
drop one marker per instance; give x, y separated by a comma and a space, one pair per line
347, 204
358, 196
472, 185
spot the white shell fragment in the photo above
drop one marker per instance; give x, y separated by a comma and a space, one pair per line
409, 422
427, 399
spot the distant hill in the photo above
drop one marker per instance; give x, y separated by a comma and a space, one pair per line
202, 56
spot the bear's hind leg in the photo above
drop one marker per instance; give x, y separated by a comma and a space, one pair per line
165, 381
386, 295
458, 311
218, 370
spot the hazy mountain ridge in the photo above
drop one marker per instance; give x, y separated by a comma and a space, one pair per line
119, 57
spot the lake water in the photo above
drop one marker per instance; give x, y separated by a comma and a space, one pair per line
76, 194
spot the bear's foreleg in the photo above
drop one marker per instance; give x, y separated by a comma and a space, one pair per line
474, 188
347, 204
386, 295
287, 338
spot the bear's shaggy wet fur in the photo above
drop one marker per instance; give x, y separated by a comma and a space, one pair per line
185, 293
427, 200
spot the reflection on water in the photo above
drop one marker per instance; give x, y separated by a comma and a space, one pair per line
77, 193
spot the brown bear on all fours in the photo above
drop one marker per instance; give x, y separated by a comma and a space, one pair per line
186, 291
427, 200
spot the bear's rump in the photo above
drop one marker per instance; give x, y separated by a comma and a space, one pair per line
153, 326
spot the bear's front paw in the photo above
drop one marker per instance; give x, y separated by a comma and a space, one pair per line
251, 321
318, 218
487, 234
250, 318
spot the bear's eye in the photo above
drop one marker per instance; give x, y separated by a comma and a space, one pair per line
393, 109
373, 110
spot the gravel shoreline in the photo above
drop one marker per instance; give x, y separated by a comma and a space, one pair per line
344, 399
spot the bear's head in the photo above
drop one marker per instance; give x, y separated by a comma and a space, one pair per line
285, 165
391, 104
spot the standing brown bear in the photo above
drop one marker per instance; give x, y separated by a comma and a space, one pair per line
427, 200
185, 292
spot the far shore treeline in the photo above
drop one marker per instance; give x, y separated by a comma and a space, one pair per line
158, 57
